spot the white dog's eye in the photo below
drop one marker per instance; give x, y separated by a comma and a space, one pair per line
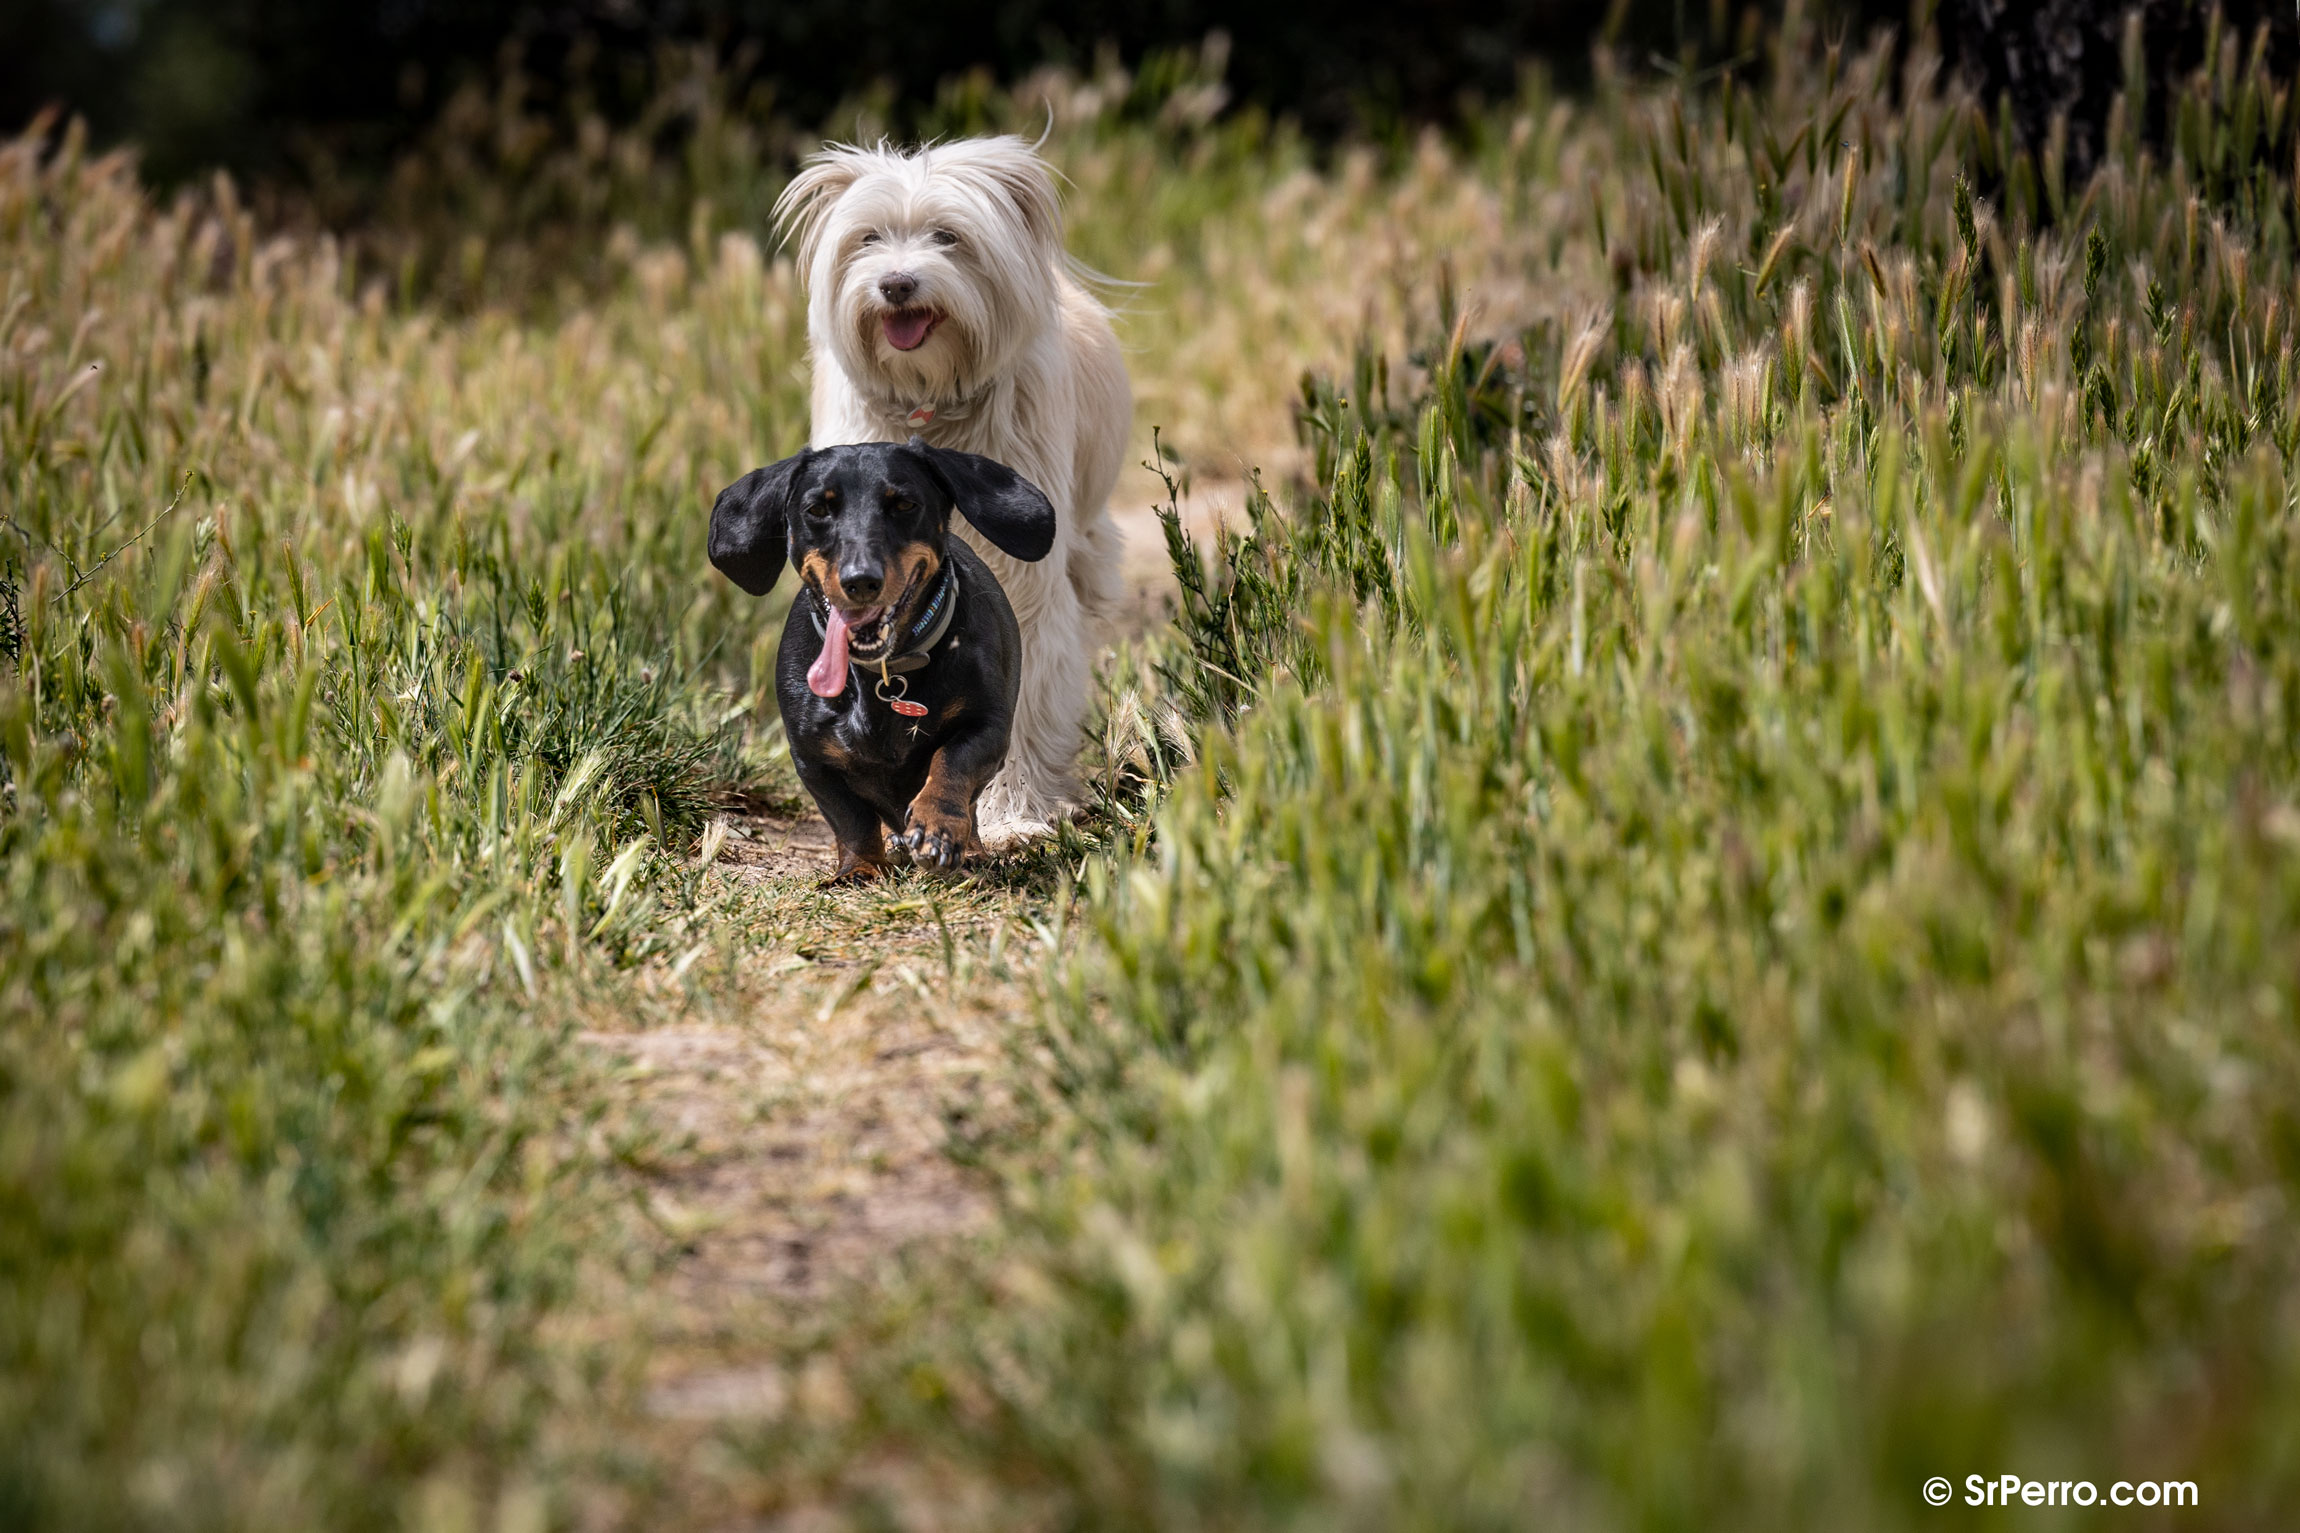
871, 238
945, 238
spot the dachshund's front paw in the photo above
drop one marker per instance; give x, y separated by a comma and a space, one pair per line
934, 841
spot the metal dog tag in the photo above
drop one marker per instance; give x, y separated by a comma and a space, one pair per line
898, 701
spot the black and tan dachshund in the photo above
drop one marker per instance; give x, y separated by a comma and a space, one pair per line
901, 658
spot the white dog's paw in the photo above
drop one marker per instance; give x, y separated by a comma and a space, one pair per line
1014, 813
1001, 836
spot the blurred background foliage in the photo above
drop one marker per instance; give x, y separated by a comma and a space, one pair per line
316, 89
542, 116
328, 97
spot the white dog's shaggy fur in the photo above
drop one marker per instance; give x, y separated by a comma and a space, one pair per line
941, 304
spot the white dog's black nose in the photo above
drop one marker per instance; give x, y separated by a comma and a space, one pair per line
898, 287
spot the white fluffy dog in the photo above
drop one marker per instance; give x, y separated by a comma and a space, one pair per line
941, 304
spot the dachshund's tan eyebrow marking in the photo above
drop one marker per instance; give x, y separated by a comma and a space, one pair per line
918, 562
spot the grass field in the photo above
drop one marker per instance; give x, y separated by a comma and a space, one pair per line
1699, 921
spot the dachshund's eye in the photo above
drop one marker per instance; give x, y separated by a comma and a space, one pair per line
821, 508
905, 506
945, 238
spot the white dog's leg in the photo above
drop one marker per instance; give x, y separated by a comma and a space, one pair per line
1038, 786
1097, 564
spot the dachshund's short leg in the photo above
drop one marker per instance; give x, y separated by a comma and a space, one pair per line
855, 825
940, 829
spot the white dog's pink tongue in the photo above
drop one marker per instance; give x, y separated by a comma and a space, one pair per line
827, 677
906, 330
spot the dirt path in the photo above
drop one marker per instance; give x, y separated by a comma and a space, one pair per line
806, 1099
805, 1086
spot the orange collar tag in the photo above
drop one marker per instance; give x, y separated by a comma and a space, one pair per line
921, 415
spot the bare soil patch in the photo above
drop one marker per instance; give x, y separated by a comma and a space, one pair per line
806, 1097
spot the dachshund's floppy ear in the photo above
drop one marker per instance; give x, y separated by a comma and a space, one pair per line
1005, 507
750, 536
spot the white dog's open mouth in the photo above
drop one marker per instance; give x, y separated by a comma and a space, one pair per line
907, 329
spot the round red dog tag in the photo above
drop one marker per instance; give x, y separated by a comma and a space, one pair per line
907, 708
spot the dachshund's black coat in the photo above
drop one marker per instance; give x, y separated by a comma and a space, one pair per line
868, 526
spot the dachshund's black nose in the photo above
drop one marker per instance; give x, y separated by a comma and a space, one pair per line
862, 583
898, 287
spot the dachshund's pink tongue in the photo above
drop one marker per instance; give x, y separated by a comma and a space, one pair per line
827, 677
